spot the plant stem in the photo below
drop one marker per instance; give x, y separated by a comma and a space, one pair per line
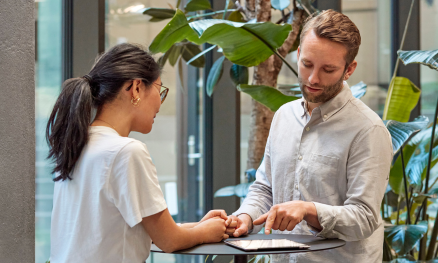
398, 209
418, 213
429, 161
408, 217
432, 138
431, 250
225, 10
285, 62
212, 13
386, 203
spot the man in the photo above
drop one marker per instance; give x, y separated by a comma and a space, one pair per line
327, 158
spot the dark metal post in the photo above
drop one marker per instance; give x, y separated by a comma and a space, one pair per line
399, 15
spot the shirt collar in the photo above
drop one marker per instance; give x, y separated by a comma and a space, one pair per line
332, 106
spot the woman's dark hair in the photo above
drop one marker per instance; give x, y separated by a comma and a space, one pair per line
67, 128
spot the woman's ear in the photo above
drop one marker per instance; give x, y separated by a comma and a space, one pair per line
136, 88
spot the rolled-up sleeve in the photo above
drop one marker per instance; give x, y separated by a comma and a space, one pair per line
368, 168
259, 198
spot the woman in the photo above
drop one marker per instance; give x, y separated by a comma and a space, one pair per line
108, 204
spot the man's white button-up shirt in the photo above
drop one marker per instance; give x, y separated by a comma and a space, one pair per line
339, 158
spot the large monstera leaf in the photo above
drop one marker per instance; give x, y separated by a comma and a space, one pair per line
402, 238
416, 166
359, 90
246, 44
402, 98
427, 57
401, 133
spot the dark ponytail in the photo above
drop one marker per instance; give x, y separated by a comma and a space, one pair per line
67, 128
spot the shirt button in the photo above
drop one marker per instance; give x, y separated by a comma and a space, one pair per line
325, 116
300, 157
296, 186
307, 129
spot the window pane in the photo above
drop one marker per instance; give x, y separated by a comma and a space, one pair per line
429, 41
48, 82
372, 17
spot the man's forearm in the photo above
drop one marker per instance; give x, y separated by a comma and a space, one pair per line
311, 216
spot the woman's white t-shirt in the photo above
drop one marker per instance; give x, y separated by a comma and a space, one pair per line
96, 215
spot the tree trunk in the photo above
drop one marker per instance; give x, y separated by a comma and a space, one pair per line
266, 74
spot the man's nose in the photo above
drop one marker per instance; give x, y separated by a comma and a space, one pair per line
313, 78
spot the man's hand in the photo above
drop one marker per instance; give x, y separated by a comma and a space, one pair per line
244, 223
288, 215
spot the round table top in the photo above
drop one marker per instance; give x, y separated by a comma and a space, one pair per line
315, 243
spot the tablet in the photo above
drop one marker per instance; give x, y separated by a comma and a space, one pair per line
266, 244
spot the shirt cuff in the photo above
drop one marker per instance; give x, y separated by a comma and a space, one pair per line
253, 213
326, 217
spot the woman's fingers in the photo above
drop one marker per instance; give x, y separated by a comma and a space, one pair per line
226, 236
228, 222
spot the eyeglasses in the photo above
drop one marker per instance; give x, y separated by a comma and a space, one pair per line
163, 93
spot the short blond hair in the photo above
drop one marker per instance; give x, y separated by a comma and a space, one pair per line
336, 27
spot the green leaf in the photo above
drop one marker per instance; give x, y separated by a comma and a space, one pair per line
174, 53
402, 98
162, 60
159, 13
239, 74
402, 238
402, 132
268, 96
280, 4
190, 51
424, 137
246, 44
240, 190
416, 167
236, 16
175, 31
425, 57
400, 137
200, 54
359, 90
214, 75
196, 5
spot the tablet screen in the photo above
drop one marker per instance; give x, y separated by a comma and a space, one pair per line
266, 244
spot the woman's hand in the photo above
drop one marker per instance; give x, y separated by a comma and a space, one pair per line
215, 213
213, 230
230, 222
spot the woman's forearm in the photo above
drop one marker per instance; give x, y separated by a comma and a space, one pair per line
188, 225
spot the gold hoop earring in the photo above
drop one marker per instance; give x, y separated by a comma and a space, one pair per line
135, 101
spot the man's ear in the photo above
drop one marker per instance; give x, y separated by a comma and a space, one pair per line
350, 69
298, 53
